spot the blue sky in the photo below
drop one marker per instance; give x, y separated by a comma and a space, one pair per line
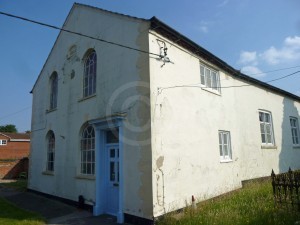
251, 35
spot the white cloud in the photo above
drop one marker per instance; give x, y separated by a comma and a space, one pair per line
289, 52
253, 71
248, 58
204, 29
204, 25
294, 42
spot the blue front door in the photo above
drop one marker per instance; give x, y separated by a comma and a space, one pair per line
112, 179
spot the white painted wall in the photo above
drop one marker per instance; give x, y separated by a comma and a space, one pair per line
122, 86
185, 120
171, 147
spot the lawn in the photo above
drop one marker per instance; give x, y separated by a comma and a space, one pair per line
12, 215
251, 205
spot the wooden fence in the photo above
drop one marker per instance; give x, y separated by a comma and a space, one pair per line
286, 188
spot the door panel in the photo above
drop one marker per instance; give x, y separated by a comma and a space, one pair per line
112, 177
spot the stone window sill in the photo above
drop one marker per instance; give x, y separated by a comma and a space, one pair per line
85, 177
48, 173
268, 147
86, 98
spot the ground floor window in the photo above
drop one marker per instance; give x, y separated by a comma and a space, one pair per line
3, 142
51, 151
266, 128
88, 151
295, 130
225, 146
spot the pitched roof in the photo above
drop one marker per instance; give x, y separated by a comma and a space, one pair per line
16, 136
170, 33
173, 35
75, 5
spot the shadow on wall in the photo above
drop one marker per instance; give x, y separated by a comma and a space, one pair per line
289, 156
13, 169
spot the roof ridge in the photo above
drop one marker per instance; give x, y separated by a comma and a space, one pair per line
108, 11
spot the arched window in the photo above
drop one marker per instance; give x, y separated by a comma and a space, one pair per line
53, 90
89, 78
51, 151
88, 151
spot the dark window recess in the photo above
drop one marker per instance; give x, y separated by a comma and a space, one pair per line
112, 136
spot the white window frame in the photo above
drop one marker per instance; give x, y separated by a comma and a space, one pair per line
295, 131
87, 149
266, 128
3, 142
90, 75
53, 91
210, 78
225, 146
50, 152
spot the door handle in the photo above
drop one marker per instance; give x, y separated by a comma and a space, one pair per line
116, 185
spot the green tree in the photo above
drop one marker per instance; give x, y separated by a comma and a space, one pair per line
10, 128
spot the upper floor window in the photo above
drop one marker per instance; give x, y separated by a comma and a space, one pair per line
51, 151
88, 151
225, 146
210, 78
3, 142
90, 71
266, 128
295, 130
53, 90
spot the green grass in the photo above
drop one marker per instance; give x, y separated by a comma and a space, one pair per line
12, 215
251, 205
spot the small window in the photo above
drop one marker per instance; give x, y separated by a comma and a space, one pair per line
295, 130
53, 90
90, 71
210, 78
51, 151
88, 151
266, 128
3, 142
225, 146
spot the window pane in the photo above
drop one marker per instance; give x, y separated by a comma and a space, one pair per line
88, 151
267, 118
225, 137
112, 136
261, 117
112, 171
112, 153
202, 75
208, 78
224, 144
262, 128
214, 80
221, 150
90, 71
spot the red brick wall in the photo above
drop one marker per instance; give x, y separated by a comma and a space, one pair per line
13, 158
14, 150
12, 169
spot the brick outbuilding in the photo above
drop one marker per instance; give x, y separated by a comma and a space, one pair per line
14, 152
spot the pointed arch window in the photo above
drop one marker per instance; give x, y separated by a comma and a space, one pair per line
51, 151
88, 151
90, 70
53, 90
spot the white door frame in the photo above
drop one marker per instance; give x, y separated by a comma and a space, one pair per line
101, 126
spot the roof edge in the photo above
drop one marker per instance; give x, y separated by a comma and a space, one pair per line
170, 33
